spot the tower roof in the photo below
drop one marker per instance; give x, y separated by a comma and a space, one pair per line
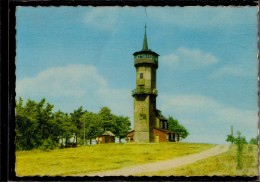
145, 44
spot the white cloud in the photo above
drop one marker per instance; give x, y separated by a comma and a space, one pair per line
207, 119
71, 86
188, 59
233, 71
104, 18
61, 81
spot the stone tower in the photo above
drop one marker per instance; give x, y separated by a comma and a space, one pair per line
146, 64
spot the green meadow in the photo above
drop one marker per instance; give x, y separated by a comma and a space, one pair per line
96, 158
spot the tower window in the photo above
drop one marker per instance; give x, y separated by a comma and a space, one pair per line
142, 116
141, 75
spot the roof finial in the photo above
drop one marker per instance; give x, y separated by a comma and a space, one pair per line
145, 44
145, 16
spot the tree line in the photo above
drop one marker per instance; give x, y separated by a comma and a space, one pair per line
38, 126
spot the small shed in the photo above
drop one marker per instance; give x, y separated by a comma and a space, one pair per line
106, 137
130, 136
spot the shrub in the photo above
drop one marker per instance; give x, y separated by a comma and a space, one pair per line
47, 145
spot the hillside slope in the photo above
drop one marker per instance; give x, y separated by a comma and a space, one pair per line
91, 159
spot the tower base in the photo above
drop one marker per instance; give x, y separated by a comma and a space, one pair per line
141, 137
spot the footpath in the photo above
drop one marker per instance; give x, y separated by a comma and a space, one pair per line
162, 165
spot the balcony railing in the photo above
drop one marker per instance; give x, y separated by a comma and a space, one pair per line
144, 91
149, 61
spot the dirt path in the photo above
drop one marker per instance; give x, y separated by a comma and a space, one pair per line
163, 165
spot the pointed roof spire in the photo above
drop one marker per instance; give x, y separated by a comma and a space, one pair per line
145, 44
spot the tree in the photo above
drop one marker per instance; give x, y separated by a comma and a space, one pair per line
33, 125
48, 130
37, 126
75, 118
25, 133
121, 126
25, 127
230, 138
174, 125
106, 118
64, 128
27, 136
239, 141
44, 115
254, 141
91, 125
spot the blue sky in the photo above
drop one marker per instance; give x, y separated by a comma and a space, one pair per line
82, 56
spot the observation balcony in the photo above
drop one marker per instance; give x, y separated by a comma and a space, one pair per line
146, 61
141, 91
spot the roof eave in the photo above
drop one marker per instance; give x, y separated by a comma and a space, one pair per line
149, 51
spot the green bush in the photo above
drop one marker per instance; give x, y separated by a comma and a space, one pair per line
47, 145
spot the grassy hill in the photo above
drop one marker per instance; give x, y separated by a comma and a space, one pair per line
87, 159
222, 165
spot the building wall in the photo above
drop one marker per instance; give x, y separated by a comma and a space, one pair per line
152, 116
106, 139
144, 118
130, 137
145, 104
111, 139
163, 137
146, 80
153, 78
157, 122
158, 136
173, 137
141, 118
